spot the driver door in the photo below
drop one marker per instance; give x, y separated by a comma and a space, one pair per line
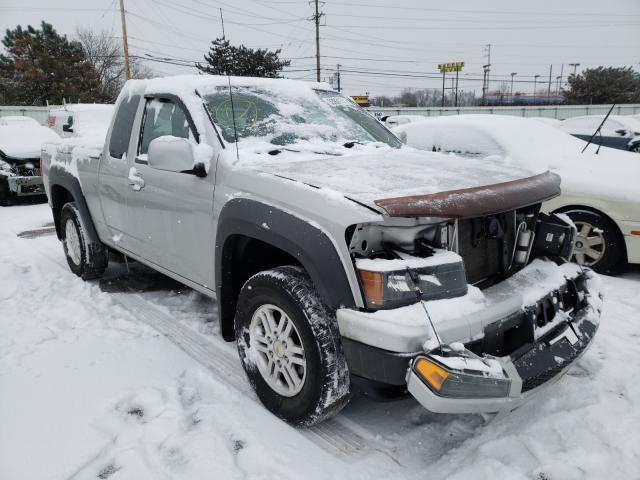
170, 212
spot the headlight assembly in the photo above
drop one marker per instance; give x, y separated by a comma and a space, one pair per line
391, 283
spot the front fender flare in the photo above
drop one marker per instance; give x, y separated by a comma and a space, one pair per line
305, 242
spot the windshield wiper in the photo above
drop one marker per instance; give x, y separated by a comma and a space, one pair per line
277, 151
598, 132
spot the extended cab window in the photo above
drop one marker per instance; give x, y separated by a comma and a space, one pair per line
163, 117
121, 132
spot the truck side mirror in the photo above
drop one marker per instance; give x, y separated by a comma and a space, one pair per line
172, 154
67, 128
621, 131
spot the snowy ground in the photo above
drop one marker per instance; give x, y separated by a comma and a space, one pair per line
128, 379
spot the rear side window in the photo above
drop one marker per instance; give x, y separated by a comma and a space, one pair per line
121, 132
163, 117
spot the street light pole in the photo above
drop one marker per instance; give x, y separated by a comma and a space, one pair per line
513, 74
575, 67
535, 80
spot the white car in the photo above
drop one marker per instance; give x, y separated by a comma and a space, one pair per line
600, 192
17, 120
81, 120
619, 131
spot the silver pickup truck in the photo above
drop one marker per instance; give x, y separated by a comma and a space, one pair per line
340, 258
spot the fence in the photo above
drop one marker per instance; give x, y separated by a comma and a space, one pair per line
556, 111
40, 114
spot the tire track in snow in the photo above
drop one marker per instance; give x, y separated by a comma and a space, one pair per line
333, 436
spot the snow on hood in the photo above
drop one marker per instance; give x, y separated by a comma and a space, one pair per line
532, 145
25, 140
385, 172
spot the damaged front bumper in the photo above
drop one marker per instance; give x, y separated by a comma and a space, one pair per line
526, 371
25, 186
534, 342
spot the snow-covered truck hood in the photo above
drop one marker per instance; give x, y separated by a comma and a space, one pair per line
408, 182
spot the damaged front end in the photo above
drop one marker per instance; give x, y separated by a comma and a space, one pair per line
469, 313
19, 177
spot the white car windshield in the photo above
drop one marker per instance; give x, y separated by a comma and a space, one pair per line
275, 118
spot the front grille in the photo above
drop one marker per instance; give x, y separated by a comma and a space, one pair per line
543, 377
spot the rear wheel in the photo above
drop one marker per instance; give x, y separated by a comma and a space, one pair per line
598, 244
290, 347
86, 259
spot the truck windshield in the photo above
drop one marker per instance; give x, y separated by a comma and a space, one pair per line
283, 118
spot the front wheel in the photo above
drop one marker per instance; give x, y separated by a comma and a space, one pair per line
598, 244
290, 347
86, 259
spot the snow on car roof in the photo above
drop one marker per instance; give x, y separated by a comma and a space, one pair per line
25, 140
12, 119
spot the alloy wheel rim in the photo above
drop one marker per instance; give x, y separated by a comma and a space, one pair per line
280, 356
590, 245
72, 242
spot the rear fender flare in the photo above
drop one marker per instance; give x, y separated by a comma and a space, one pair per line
60, 177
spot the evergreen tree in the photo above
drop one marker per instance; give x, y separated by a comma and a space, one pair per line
226, 59
604, 85
41, 65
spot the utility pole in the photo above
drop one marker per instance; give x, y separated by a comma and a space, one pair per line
125, 43
338, 77
560, 78
485, 73
549, 89
513, 74
316, 17
457, 72
443, 78
488, 65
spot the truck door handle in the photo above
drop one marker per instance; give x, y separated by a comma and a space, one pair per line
135, 180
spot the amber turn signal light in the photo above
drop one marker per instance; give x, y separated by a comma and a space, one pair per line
373, 285
432, 373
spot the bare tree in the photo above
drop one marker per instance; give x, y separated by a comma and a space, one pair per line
104, 51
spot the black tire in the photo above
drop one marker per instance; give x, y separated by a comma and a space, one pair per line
4, 191
325, 390
92, 257
614, 250
635, 148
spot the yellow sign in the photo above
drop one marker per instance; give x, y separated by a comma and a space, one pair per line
362, 100
450, 67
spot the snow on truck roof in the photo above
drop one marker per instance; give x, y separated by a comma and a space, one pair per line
187, 84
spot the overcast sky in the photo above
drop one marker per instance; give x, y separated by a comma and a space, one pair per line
382, 46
